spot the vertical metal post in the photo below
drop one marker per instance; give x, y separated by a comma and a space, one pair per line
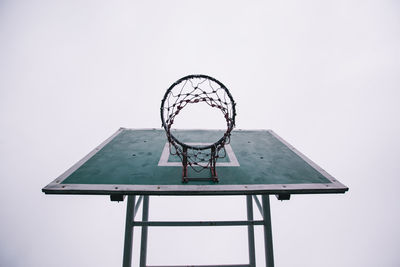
130, 206
269, 252
143, 246
250, 231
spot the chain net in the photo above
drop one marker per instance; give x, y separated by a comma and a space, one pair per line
195, 89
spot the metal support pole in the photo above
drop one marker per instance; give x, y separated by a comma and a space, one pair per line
127, 260
269, 252
197, 223
143, 246
137, 206
250, 231
258, 203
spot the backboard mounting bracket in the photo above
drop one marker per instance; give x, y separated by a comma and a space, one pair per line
117, 197
283, 196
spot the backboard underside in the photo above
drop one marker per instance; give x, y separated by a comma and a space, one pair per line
138, 162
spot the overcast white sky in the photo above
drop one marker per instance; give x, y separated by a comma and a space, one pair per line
324, 75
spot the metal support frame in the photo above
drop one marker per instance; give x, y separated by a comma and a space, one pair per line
250, 232
133, 206
143, 245
130, 216
269, 251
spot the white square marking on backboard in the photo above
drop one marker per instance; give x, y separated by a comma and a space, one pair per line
233, 162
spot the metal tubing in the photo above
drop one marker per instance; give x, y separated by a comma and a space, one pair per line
250, 231
198, 223
258, 204
223, 265
127, 260
143, 246
269, 252
137, 206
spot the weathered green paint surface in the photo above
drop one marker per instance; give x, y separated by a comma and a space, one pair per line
132, 158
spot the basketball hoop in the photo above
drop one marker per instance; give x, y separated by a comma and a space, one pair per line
195, 89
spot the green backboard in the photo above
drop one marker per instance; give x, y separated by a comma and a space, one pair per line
137, 161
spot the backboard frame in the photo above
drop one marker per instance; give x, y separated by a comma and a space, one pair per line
57, 187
